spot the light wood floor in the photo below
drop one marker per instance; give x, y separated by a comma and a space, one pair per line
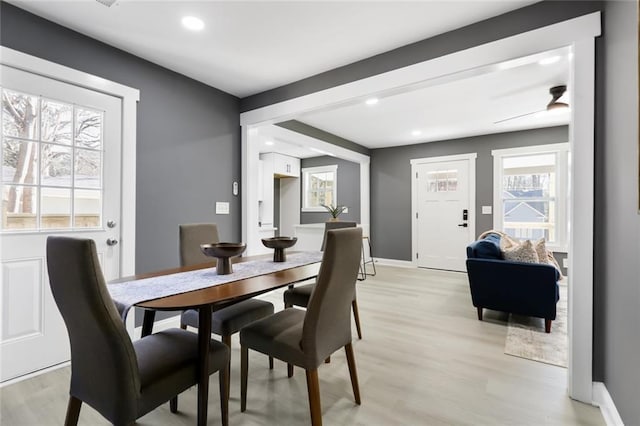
425, 360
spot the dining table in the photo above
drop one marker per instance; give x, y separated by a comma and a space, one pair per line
265, 276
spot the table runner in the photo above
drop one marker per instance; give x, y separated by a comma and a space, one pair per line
128, 293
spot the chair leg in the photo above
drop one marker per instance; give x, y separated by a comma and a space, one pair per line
351, 361
547, 326
173, 404
356, 316
244, 367
480, 313
224, 393
227, 341
289, 370
73, 411
327, 360
183, 326
270, 363
313, 387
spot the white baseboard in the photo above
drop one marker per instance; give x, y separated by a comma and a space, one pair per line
602, 399
395, 262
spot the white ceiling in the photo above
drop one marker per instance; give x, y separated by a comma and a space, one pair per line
465, 106
251, 46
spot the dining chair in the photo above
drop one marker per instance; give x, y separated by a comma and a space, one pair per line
300, 295
121, 379
228, 320
307, 338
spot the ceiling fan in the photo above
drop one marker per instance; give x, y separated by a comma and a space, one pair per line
556, 93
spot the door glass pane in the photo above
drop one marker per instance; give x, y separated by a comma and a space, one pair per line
452, 180
88, 168
56, 122
87, 208
19, 161
20, 115
55, 165
88, 128
19, 207
55, 208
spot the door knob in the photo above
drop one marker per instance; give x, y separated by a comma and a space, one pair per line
112, 241
464, 225
111, 224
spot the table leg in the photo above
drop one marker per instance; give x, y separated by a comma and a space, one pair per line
204, 337
147, 322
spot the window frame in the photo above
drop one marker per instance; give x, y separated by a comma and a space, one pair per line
561, 198
306, 172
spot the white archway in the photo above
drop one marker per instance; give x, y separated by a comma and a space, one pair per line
579, 34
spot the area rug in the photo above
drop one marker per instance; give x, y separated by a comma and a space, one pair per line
526, 337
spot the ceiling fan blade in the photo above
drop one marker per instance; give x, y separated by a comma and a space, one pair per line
518, 116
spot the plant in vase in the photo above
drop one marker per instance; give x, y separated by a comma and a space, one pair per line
334, 211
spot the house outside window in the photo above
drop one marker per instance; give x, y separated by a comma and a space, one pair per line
319, 186
531, 192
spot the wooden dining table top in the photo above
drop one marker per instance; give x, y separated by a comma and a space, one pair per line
227, 293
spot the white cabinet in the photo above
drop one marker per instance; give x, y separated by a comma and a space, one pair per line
283, 165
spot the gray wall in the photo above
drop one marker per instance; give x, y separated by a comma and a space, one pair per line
348, 189
188, 140
391, 182
617, 243
617, 224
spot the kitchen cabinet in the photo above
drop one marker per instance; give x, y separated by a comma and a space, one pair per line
283, 165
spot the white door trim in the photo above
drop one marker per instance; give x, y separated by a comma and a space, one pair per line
130, 97
580, 34
471, 157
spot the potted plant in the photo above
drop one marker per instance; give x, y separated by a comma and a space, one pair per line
334, 211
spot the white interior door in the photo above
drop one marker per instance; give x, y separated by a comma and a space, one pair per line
443, 213
61, 174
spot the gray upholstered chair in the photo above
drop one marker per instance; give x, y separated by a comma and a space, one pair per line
228, 320
306, 338
119, 379
300, 295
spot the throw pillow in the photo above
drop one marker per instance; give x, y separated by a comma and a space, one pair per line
524, 252
546, 256
541, 250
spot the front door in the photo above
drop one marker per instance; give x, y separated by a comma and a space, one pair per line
443, 197
61, 175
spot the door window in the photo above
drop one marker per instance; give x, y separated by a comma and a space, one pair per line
52, 155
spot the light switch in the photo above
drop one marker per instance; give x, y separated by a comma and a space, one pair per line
487, 209
222, 208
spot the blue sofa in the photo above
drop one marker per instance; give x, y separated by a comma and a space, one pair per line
529, 289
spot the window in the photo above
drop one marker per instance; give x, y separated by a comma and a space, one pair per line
319, 186
531, 190
51, 164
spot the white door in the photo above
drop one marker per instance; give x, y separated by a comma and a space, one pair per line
443, 213
61, 162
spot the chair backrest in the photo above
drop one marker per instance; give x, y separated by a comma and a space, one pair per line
338, 224
104, 368
191, 236
327, 323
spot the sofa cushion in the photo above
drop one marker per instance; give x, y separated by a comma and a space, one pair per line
486, 248
523, 252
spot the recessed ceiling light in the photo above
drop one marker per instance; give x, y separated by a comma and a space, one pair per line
548, 61
371, 101
192, 23
416, 132
268, 142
